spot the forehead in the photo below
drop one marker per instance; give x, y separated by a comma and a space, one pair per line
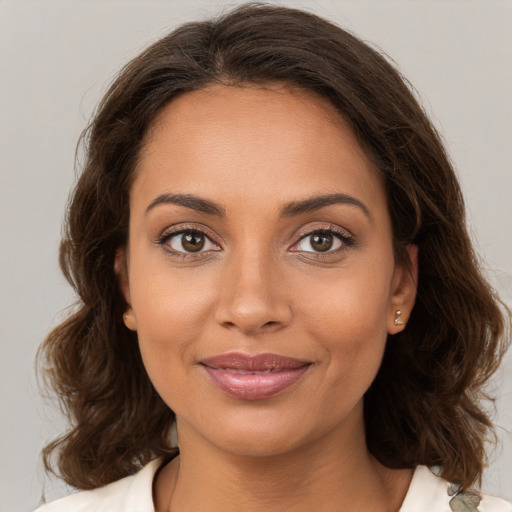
285, 99
251, 140
216, 109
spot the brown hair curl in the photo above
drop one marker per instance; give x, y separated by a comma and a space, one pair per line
423, 407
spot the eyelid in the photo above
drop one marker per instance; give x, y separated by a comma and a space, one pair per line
186, 228
346, 238
328, 228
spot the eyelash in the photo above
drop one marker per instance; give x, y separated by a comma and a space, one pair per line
167, 235
347, 241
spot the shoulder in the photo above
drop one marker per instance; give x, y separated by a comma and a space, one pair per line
131, 494
430, 493
494, 504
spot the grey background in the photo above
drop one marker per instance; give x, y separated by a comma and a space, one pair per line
56, 58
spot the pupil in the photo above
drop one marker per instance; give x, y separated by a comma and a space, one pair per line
192, 242
321, 242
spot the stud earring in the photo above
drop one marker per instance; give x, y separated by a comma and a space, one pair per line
398, 317
130, 322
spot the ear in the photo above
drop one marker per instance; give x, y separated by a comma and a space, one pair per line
403, 292
121, 271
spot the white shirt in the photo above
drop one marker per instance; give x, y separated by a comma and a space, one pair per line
427, 493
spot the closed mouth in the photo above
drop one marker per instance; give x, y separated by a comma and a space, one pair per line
254, 377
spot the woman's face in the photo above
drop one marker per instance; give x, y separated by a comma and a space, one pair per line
260, 270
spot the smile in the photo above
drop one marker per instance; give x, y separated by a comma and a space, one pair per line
254, 377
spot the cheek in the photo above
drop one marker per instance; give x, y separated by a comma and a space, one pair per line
172, 310
349, 318
353, 300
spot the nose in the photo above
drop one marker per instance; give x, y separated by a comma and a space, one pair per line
253, 296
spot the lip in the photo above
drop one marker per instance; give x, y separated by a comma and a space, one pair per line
254, 377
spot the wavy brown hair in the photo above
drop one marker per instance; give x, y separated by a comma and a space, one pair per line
424, 405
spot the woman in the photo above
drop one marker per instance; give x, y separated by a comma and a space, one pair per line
269, 247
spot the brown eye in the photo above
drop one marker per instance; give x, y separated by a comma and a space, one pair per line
190, 242
321, 242
324, 240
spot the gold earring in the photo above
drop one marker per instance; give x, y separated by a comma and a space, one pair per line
130, 322
398, 317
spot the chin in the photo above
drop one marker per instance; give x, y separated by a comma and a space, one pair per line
256, 432
258, 445
247, 430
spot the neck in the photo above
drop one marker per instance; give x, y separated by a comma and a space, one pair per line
327, 475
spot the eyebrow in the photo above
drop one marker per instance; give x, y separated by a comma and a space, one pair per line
292, 209
315, 203
189, 201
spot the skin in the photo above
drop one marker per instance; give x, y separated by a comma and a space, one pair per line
259, 285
